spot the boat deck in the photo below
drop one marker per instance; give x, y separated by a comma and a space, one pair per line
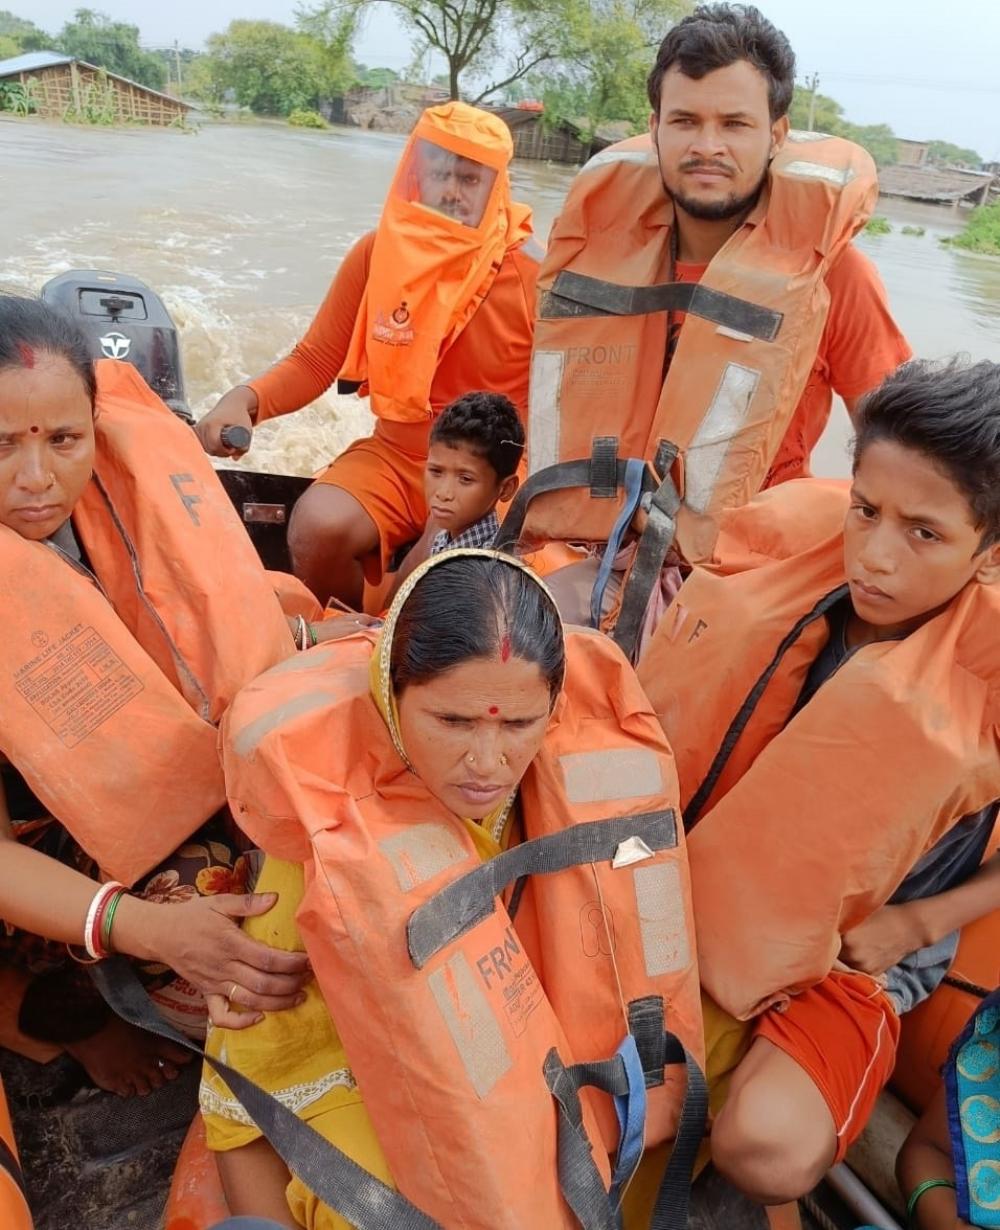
96, 1162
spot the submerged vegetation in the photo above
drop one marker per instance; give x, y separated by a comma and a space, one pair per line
878, 225
982, 233
913, 230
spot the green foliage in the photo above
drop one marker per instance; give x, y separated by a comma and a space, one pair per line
982, 234
913, 230
330, 28
379, 78
307, 119
604, 55
828, 116
943, 154
878, 226
25, 34
97, 104
268, 67
9, 47
878, 139
18, 99
112, 45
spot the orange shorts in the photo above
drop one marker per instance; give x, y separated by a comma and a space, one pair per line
844, 1032
385, 474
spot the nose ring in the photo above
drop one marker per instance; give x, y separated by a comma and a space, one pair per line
503, 760
470, 759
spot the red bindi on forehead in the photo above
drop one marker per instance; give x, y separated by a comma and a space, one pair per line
494, 710
34, 430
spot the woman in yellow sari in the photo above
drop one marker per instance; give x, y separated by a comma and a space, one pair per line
465, 675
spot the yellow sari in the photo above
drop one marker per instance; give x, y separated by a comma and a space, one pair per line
297, 1055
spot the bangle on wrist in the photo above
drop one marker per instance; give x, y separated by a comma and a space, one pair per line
918, 1191
94, 923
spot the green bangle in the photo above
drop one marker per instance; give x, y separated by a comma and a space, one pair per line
109, 918
919, 1190
312, 635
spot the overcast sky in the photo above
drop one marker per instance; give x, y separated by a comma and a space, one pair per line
895, 61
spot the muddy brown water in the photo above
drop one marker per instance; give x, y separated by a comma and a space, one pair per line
241, 227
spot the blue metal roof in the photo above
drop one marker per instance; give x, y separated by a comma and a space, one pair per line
31, 61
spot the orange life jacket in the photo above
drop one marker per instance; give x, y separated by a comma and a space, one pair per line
114, 679
804, 827
461, 1025
701, 440
14, 1211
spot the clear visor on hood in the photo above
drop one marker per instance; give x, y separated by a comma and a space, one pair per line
450, 184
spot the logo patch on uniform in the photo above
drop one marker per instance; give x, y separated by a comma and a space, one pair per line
394, 329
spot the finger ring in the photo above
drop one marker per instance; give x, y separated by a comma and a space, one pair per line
232, 993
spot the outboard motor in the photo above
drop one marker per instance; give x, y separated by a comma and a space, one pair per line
124, 319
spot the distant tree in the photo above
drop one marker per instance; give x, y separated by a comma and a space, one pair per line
331, 28
269, 68
943, 154
26, 35
9, 47
376, 78
113, 45
828, 116
476, 37
603, 57
878, 139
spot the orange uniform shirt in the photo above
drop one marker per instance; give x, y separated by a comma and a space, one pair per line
860, 346
492, 352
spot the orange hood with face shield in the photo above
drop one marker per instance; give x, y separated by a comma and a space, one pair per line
447, 225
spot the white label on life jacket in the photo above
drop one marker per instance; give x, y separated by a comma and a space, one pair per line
611, 774
631, 850
662, 924
471, 1022
735, 334
800, 169
246, 740
606, 157
544, 405
706, 455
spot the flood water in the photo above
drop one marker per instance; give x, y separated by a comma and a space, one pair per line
241, 227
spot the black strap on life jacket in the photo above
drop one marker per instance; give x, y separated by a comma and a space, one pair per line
576, 295
350, 1190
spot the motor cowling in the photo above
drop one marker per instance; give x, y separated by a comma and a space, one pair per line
123, 318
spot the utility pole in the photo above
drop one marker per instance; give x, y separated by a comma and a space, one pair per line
812, 84
177, 61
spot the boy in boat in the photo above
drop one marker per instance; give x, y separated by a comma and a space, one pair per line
840, 776
472, 458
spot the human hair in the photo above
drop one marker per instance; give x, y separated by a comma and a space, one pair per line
476, 606
950, 413
28, 326
486, 423
717, 35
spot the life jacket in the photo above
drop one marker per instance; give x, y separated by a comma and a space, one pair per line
114, 679
614, 445
467, 1016
14, 1211
802, 826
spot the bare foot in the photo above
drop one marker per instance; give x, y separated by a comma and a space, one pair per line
128, 1061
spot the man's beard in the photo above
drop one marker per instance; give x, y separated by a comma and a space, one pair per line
717, 211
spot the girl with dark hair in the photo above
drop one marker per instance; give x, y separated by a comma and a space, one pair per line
111, 685
472, 725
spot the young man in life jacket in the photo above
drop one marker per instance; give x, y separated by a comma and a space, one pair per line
829, 686
438, 300
741, 382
